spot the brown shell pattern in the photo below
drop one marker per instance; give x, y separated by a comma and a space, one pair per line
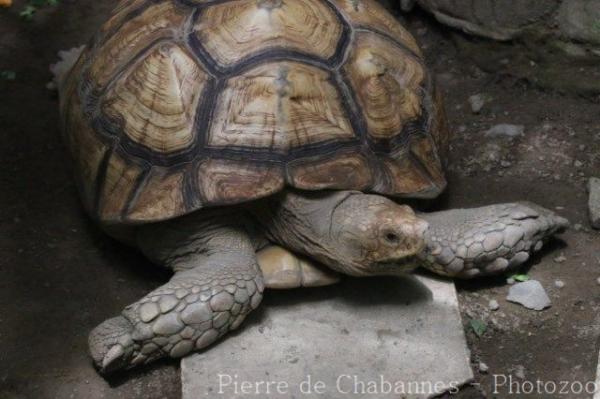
182, 104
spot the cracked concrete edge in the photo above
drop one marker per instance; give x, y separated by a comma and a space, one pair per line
453, 302
597, 387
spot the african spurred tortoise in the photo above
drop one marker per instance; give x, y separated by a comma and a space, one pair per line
200, 130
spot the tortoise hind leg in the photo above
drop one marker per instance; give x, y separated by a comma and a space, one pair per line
484, 241
216, 284
283, 269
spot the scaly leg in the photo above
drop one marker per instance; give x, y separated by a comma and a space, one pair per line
471, 242
216, 284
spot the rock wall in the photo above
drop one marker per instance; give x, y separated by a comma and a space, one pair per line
553, 43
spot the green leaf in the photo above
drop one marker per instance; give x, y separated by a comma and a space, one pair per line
33, 5
28, 12
520, 277
479, 327
8, 75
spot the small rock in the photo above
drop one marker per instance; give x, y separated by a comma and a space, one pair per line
560, 259
505, 129
483, 368
559, 283
578, 227
598, 280
493, 305
477, 102
530, 294
594, 201
520, 372
510, 281
576, 20
578, 163
407, 5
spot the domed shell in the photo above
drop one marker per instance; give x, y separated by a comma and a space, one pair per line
179, 105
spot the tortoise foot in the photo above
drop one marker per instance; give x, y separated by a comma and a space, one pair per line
111, 344
467, 243
189, 313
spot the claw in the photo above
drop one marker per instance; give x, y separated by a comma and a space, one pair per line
114, 354
107, 342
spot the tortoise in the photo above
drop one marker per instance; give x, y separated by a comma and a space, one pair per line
204, 131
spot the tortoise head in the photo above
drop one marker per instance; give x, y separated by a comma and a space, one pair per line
373, 235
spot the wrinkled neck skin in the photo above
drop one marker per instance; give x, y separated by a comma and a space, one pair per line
302, 223
312, 224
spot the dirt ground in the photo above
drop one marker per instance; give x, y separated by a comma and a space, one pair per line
61, 276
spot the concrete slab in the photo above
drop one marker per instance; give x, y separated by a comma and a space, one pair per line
380, 337
597, 386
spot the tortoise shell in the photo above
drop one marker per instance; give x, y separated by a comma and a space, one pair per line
176, 105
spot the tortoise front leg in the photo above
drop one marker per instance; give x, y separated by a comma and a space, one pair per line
466, 243
216, 284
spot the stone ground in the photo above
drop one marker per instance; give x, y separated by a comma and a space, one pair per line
61, 276
402, 330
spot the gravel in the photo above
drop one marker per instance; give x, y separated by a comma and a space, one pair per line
520, 372
560, 259
476, 101
506, 130
483, 368
594, 201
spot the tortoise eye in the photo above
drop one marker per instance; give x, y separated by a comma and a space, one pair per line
392, 237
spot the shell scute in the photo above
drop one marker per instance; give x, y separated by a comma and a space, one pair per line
369, 14
279, 106
161, 21
223, 181
424, 149
119, 15
406, 179
387, 83
235, 30
161, 197
118, 185
87, 151
336, 172
157, 99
